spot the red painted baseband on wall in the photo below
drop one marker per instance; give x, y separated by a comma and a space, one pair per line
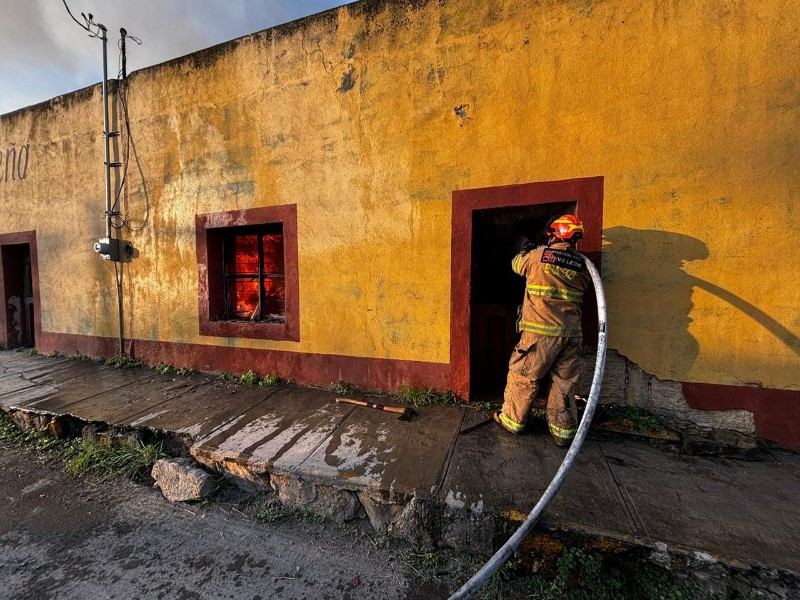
304, 368
776, 412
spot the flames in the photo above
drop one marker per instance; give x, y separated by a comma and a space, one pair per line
242, 266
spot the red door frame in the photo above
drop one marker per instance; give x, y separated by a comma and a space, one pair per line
587, 192
13, 239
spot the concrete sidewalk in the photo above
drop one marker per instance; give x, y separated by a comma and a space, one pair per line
435, 479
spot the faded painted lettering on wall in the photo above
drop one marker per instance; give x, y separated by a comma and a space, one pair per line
14, 163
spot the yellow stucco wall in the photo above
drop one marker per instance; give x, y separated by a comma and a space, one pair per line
689, 110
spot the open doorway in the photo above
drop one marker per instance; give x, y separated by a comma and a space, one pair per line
498, 234
489, 226
18, 314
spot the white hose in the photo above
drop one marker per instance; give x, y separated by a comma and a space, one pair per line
504, 553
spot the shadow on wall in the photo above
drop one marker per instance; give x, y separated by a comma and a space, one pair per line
658, 294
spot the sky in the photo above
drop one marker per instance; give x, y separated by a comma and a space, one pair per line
44, 53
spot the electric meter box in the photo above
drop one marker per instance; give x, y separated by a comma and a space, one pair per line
116, 250
107, 248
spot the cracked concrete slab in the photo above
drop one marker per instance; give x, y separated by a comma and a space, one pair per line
58, 397
118, 405
494, 470
278, 433
9, 388
199, 407
28, 369
714, 504
17, 377
372, 449
23, 386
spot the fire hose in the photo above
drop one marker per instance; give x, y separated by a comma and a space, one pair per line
505, 552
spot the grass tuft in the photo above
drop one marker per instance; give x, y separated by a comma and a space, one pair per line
108, 461
343, 388
250, 378
379, 542
578, 575
120, 361
167, 369
186, 371
270, 380
420, 397
639, 418
276, 512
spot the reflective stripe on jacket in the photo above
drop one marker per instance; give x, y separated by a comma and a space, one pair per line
556, 279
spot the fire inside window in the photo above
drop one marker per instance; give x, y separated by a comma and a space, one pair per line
255, 283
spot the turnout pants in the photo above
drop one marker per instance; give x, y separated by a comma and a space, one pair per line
534, 357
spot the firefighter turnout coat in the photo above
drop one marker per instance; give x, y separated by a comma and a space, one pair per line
556, 279
550, 342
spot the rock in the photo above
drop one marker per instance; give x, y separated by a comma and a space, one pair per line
465, 530
420, 522
97, 434
56, 426
381, 514
332, 503
91, 434
181, 479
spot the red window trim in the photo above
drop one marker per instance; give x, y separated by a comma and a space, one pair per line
208, 233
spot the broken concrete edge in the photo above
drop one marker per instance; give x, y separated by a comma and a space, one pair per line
54, 425
340, 500
719, 443
429, 523
550, 539
68, 425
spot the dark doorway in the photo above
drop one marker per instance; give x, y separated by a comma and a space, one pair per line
18, 303
496, 291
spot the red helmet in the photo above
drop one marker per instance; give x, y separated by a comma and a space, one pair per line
567, 228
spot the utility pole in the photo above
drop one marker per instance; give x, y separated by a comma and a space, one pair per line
109, 248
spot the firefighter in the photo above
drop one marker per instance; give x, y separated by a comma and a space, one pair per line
550, 327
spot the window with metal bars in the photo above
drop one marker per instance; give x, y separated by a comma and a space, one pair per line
254, 279
247, 273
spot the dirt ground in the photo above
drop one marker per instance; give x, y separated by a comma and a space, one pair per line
73, 538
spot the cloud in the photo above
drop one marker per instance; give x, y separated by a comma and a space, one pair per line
43, 53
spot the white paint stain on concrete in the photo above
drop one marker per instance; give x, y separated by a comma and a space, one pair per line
192, 430
371, 460
150, 417
310, 431
455, 500
250, 434
458, 501
220, 430
477, 507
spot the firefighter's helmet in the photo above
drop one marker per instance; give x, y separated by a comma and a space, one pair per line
567, 228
